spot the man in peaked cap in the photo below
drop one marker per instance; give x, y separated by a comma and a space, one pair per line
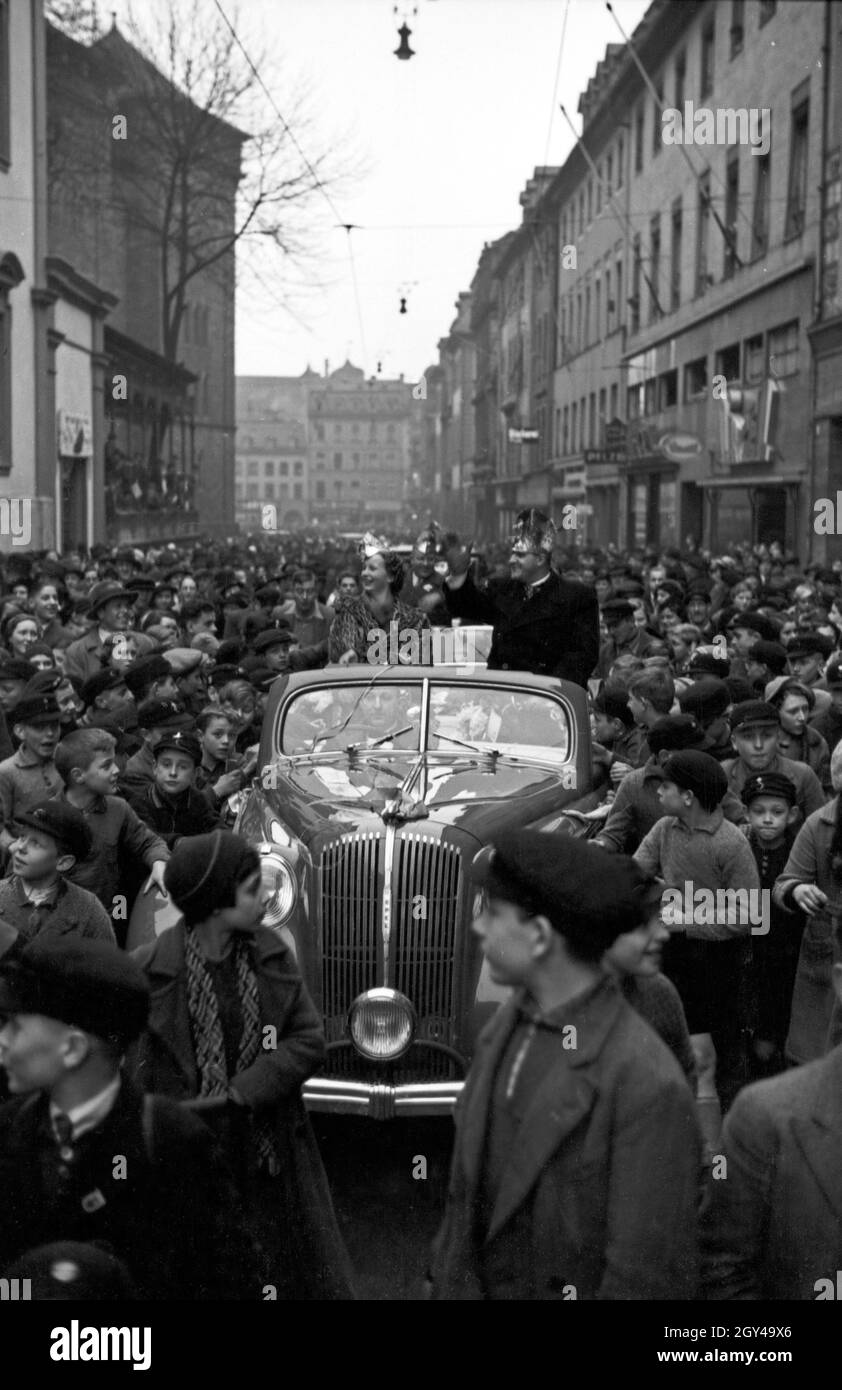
542, 623
83, 1157
560, 1083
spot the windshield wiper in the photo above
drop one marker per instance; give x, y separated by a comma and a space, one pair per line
395, 733
483, 752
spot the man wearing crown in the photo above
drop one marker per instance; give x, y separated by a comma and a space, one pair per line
542, 623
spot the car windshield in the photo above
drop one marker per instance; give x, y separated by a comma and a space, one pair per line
380, 715
515, 722
387, 716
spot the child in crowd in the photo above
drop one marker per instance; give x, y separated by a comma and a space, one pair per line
221, 772
171, 805
30, 774
770, 803
692, 848
37, 898
120, 839
618, 742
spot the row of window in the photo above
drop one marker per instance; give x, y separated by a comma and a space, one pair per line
656, 289
341, 428
579, 426
339, 459
268, 492
271, 468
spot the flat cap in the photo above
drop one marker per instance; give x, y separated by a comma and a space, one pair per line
709, 661
35, 709
182, 660
616, 610
280, 636
62, 822
91, 985
179, 741
810, 644
753, 714
163, 714
769, 784
754, 622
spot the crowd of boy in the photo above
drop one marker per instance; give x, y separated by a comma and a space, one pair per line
131, 700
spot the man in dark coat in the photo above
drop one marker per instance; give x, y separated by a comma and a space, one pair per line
576, 1165
774, 1226
542, 623
83, 1157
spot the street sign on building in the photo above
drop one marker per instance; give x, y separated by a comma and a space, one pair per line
522, 436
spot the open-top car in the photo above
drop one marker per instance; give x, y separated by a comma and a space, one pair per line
376, 787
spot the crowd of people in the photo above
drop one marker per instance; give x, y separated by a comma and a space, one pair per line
685, 924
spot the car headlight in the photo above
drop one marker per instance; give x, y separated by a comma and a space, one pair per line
279, 886
382, 1024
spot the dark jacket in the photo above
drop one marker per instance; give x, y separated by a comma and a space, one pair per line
170, 1212
71, 909
601, 1187
164, 1061
554, 632
118, 835
774, 1226
189, 813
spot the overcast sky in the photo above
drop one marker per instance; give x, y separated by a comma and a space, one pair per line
448, 138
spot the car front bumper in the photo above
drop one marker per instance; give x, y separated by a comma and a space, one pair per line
379, 1102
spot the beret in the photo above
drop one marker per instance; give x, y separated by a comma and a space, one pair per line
203, 869
109, 678
675, 731
146, 669
769, 784
699, 773
705, 699
771, 654
274, 637
577, 886
92, 985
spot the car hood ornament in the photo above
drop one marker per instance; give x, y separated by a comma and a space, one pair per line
403, 808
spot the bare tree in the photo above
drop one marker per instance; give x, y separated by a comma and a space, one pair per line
201, 130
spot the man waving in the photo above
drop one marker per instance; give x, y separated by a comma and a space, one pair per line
542, 623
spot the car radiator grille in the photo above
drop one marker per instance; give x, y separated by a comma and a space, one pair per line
426, 890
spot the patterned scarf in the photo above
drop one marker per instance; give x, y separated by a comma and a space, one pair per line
208, 1040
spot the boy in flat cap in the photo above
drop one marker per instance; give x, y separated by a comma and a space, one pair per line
576, 1163
83, 1157
231, 1022
694, 849
36, 898
30, 774
755, 725
772, 818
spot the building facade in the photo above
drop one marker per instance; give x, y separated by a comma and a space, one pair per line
161, 423
272, 451
660, 339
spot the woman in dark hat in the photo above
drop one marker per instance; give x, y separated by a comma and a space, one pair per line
222, 984
361, 623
